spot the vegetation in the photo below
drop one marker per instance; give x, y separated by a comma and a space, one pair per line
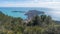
42, 24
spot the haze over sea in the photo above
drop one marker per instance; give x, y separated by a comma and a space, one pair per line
8, 11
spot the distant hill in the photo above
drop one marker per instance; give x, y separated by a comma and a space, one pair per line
57, 22
32, 13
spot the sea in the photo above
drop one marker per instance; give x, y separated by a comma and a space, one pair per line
9, 11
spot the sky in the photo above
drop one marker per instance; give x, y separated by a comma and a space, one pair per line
53, 4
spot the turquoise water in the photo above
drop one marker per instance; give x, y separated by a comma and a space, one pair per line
8, 10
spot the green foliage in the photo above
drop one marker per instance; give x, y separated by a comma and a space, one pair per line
42, 24
41, 20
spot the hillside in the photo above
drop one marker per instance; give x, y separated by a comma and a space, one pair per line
42, 24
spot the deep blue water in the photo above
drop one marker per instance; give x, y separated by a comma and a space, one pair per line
8, 10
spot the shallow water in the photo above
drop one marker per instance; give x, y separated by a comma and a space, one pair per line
8, 11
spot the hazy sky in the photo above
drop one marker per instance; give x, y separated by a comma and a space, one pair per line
54, 4
29, 3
